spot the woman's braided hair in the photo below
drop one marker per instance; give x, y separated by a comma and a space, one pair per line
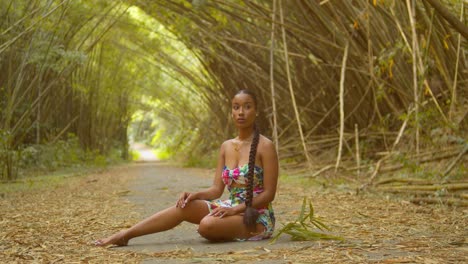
251, 214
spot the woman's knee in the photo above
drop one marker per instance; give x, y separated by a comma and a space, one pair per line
193, 212
209, 228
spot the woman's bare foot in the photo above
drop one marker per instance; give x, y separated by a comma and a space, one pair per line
117, 239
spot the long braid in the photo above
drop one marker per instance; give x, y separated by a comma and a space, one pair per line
251, 214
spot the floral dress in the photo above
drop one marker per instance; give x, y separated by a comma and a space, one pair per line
237, 196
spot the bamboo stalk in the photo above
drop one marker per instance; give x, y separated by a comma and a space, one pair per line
400, 133
64, 130
412, 13
342, 81
432, 187
7, 44
455, 77
457, 159
323, 170
272, 79
291, 90
406, 181
292, 54
452, 202
446, 14
356, 142
39, 85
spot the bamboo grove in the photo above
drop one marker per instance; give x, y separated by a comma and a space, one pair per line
67, 82
340, 82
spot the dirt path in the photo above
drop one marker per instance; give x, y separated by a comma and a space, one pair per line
57, 224
156, 186
377, 229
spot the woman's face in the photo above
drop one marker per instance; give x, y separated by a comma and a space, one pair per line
244, 110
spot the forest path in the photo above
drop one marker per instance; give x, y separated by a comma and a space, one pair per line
145, 153
376, 228
57, 221
156, 186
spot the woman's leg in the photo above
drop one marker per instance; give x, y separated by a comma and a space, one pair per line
164, 220
227, 228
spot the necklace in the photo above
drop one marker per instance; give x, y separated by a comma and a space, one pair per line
237, 143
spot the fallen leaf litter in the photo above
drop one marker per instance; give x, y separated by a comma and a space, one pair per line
59, 225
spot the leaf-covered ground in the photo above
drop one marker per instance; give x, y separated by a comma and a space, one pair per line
57, 225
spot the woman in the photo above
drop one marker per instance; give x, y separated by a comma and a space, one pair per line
247, 214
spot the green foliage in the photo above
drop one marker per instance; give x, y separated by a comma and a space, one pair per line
43, 158
198, 4
163, 153
8, 157
206, 160
409, 164
51, 156
32, 183
302, 228
460, 172
134, 155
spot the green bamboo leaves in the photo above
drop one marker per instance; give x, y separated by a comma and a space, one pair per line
306, 227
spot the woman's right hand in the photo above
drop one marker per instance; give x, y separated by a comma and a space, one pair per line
184, 198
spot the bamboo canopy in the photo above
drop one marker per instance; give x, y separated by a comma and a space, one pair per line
232, 39
81, 71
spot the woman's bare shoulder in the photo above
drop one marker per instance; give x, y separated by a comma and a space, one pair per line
226, 144
266, 144
268, 155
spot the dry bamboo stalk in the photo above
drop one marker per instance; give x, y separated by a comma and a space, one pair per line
356, 142
342, 80
413, 181
272, 79
454, 88
369, 43
427, 194
38, 113
317, 125
291, 90
374, 174
291, 123
458, 25
411, 14
400, 133
420, 66
426, 83
439, 201
324, 169
396, 167
457, 159
292, 54
443, 151
400, 28
432, 187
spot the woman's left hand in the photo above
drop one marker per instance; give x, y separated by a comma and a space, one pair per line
223, 211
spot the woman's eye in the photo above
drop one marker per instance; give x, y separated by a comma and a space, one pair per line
235, 107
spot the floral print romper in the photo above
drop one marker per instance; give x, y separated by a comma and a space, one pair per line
237, 196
